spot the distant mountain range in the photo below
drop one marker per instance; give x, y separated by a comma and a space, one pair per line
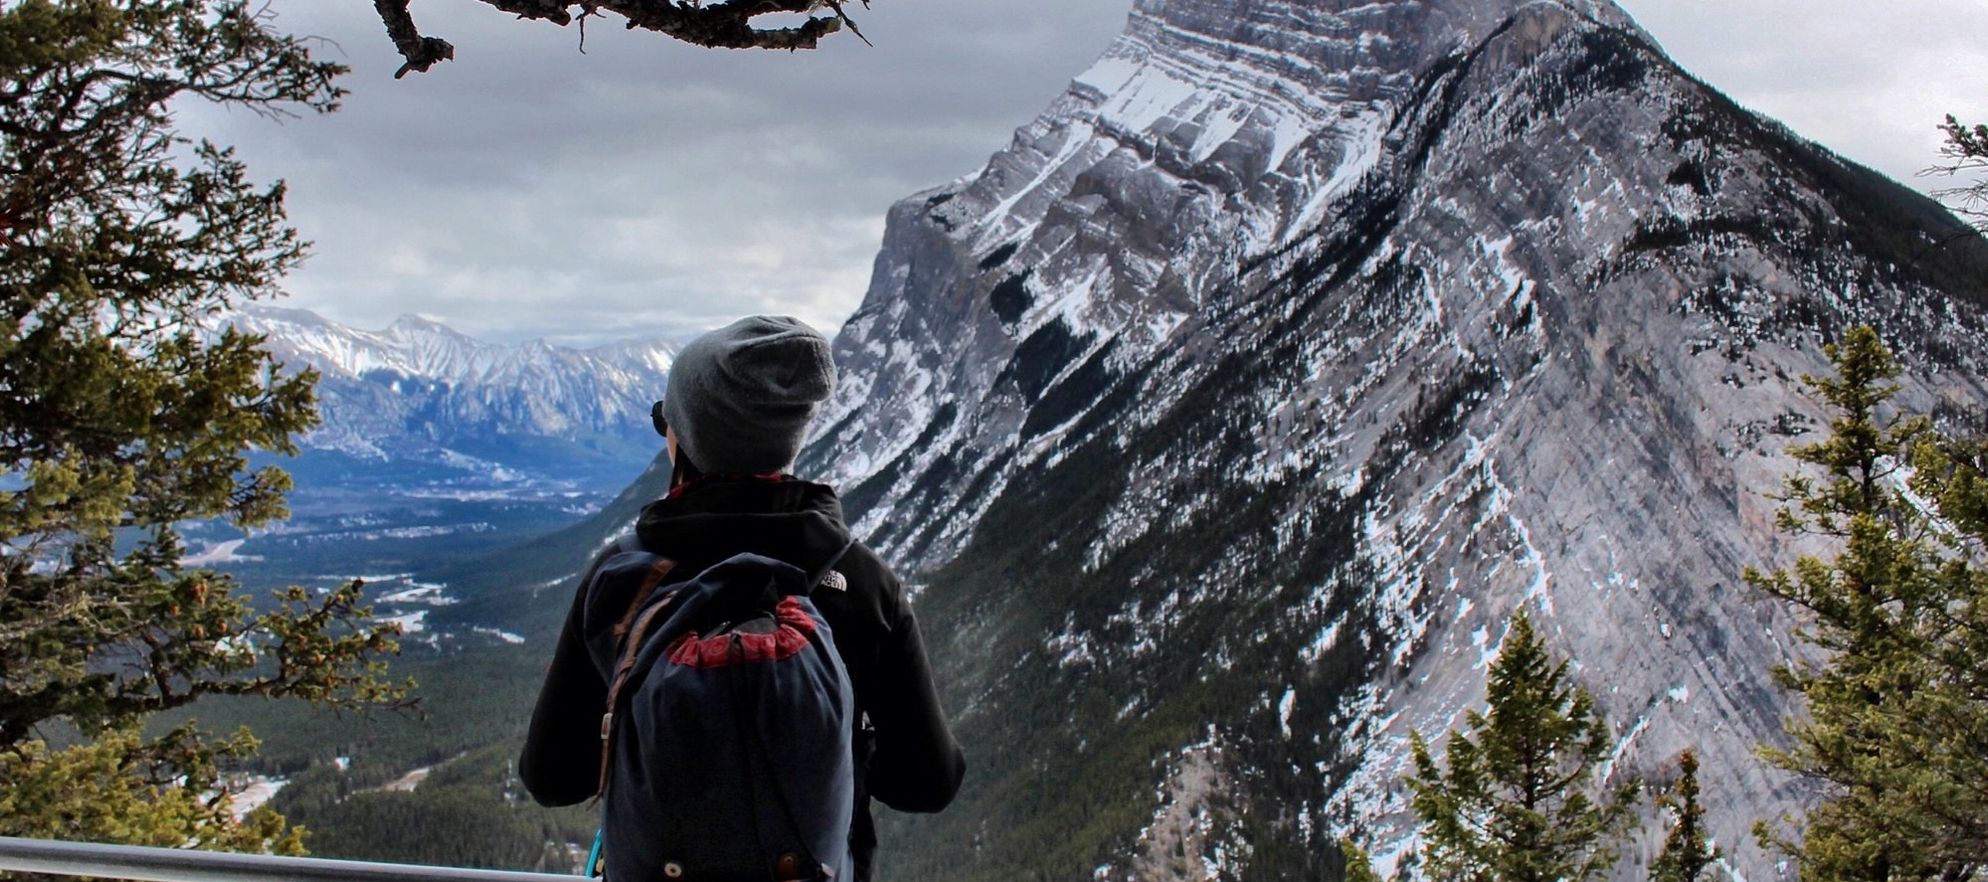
419, 392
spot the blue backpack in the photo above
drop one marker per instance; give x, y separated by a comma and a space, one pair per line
725, 745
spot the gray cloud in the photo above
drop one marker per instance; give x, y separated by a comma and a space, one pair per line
647, 187
525, 189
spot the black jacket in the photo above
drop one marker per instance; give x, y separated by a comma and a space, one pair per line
905, 755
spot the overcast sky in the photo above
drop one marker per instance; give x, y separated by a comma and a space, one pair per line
647, 187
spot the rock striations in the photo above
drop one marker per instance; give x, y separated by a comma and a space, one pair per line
1230, 410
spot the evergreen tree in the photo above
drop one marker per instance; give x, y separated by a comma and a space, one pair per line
1896, 728
1686, 852
1966, 155
121, 416
1359, 865
1516, 799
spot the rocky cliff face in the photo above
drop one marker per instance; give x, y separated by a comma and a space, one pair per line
1227, 414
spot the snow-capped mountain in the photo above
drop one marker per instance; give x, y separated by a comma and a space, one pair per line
420, 391
1228, 413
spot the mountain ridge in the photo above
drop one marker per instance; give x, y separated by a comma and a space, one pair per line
419, 390
1290, 424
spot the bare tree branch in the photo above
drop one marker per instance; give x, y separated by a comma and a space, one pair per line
848, 22
421, 52
726, 24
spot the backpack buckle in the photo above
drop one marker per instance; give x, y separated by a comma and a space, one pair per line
607, 720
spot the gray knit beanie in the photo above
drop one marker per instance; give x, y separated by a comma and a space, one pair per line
740, 397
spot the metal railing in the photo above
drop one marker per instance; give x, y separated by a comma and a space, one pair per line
185, 865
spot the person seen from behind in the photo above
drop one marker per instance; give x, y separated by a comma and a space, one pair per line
738, 404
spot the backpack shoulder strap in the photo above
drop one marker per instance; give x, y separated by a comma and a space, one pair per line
628, 634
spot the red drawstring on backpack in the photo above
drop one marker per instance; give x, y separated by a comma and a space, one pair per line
788, 637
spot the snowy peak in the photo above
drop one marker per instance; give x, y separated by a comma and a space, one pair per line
426, 348
410, 346
1231, 95
423, 348
1212, 134
421, 388
414, 322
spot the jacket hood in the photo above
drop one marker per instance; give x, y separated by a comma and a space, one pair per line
791, 520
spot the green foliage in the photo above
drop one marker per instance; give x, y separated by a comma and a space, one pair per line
1359, 865
1897, 724
470, 811
1966, 153
120, 417
88, 792
1515, 800
1686, 851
